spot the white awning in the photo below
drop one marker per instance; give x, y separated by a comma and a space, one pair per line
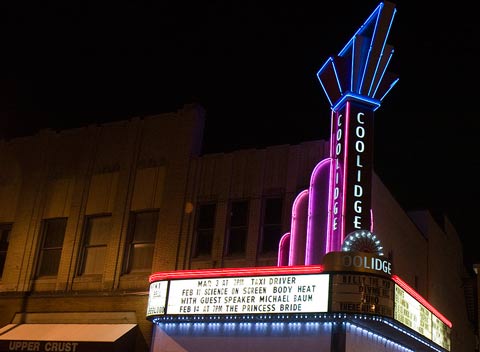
66, 337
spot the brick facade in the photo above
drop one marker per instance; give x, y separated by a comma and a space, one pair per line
156, 163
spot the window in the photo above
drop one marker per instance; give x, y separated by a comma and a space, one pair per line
53, 232
237, 231
141, 241
204, 230
271, 226
5, 230
95, 238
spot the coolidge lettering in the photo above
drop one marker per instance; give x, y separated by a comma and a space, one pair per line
351, 174
357, 187
337, 173
372, 263
358, 169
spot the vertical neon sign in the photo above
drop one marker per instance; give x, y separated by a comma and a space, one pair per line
337, 153
355, 82
352, 154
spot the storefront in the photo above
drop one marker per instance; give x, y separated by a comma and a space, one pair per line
62, 332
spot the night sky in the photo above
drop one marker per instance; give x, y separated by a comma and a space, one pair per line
252, 65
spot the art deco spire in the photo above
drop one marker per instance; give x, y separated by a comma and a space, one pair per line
360, 68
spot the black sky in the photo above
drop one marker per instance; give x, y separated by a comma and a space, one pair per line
252, 65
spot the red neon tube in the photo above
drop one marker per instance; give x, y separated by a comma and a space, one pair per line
234, 272
422, 300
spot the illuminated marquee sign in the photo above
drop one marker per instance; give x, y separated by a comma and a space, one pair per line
157, 298
348, 283
243, 295
413, 314
355, 293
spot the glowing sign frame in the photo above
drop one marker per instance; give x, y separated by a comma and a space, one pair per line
276, 271
154, 313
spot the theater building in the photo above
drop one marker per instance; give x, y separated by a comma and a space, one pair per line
125, 237
88, 214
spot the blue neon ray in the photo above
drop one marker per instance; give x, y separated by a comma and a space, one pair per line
360, 68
